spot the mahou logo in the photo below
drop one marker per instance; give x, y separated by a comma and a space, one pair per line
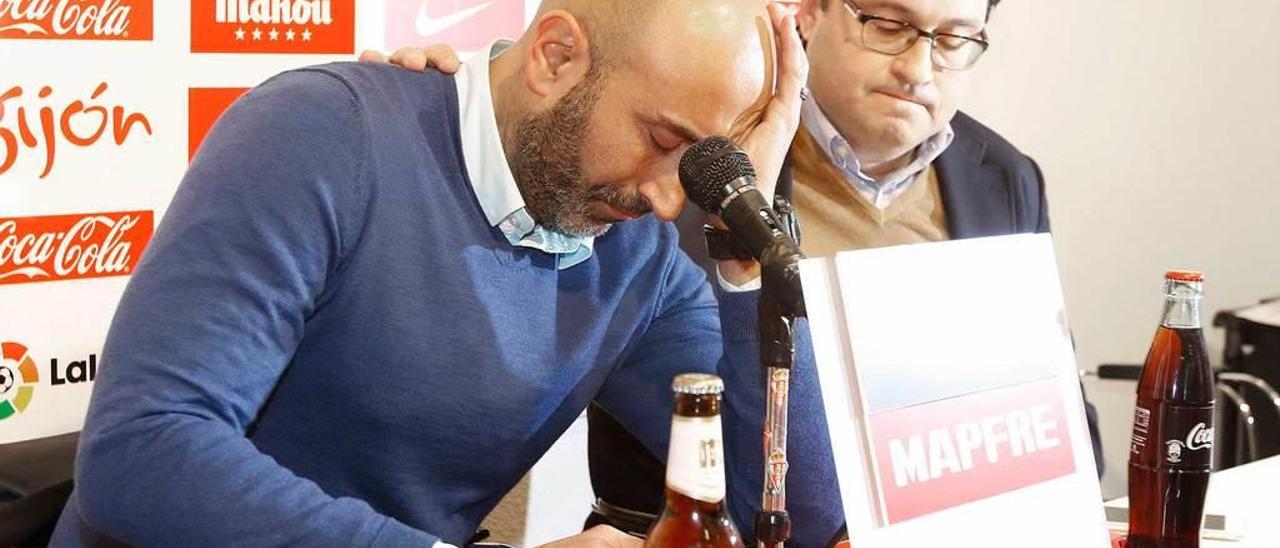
272, 26
18, 379
46, 121
69, 247
76, 19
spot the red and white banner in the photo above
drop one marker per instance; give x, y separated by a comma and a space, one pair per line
945, 453
40, 123
204, 106
76, 19
273, 26
103, 103
952, 395
71, 247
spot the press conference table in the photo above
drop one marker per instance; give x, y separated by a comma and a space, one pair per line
1247, 496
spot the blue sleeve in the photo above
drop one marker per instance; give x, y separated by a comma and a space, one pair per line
252, 241
685, 336
682, 337
813, 496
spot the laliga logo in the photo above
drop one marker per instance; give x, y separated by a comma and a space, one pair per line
1200, 437
76, 19
38, 249
18, 378
74, 122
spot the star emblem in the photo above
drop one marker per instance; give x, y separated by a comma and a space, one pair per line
306, 35
257, 34
274, 35
289, 35
240, 33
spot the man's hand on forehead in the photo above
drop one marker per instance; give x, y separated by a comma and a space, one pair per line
750, 118
766, 128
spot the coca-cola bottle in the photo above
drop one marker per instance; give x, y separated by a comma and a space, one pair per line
1171, 451
695, 515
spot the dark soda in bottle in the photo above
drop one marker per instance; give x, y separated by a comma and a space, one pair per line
1171, 450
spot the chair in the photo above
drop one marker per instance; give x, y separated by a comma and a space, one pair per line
35, 482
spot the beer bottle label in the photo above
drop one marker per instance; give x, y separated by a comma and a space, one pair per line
695, 461
1187, 437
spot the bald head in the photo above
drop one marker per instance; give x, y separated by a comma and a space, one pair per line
598, 99
609, 24
622, 31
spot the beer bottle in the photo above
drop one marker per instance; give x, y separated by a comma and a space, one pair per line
695, 513
1171, 450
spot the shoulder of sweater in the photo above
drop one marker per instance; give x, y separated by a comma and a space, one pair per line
996, 149
366, 78
384, 92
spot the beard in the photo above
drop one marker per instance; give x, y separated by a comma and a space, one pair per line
548, 165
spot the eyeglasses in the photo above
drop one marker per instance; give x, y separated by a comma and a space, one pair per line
893, 37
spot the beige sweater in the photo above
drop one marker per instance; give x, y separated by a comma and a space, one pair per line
835, 217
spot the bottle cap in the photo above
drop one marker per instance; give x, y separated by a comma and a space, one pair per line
697, 384
1183, 284
1184, 276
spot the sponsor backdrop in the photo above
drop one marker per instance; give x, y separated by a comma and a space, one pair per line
102, 105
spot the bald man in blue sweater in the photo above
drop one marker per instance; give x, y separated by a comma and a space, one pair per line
379, 296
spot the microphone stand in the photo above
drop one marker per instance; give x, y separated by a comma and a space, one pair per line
781, 302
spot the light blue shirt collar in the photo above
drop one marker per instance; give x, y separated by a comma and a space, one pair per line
882, 192
491, 178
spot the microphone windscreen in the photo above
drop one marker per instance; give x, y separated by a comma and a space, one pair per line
709, 165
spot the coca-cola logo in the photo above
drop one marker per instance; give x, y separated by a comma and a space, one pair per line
76, 19
1200, 437
273, 26
47, 121
66, 247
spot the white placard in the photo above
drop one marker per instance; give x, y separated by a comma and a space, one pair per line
953, 397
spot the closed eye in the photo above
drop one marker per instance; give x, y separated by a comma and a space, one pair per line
664, 141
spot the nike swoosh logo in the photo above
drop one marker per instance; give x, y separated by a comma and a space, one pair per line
427, 25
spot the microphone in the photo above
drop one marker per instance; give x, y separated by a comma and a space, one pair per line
719, 178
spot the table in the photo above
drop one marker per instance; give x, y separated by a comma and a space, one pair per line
1246, 495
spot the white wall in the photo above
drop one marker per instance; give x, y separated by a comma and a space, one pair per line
1153, 121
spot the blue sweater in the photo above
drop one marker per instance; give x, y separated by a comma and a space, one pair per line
326, 344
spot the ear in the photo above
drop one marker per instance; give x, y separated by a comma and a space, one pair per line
809, 16
559, 56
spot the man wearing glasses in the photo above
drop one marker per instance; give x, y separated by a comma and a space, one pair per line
883, 158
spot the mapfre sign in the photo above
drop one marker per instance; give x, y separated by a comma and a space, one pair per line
273, 26
76, 19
